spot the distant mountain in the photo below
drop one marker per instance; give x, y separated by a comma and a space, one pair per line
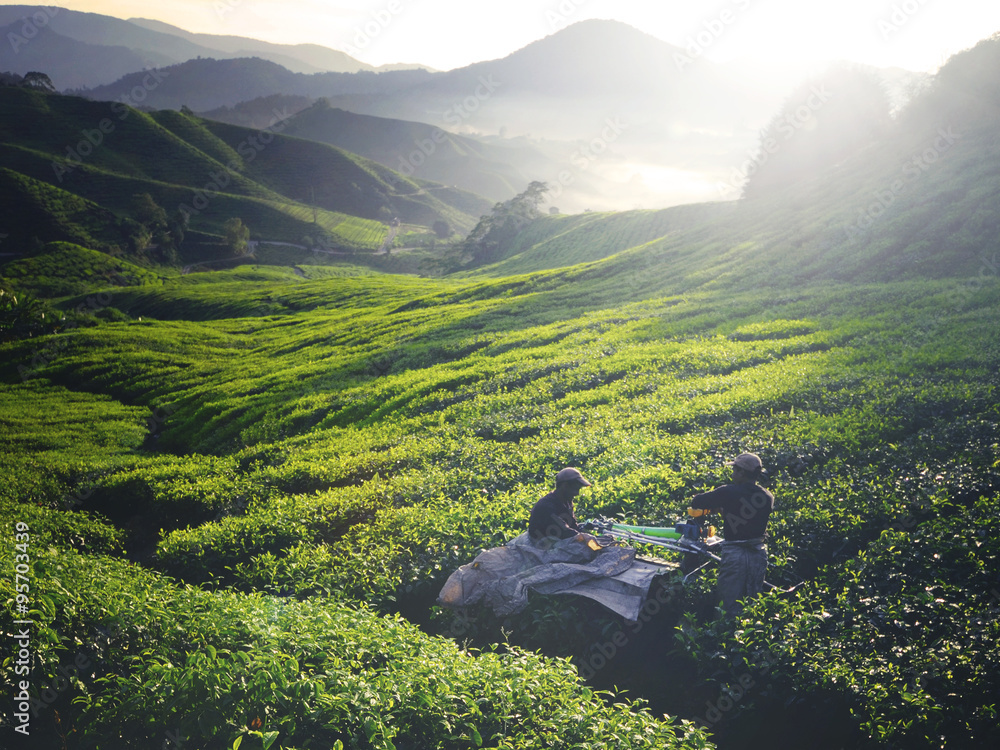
203, 84
548, 88
624, 120
206, 84
69, 46
621, 121
68, 62
90, 49
259, 113
299, 58
498, 170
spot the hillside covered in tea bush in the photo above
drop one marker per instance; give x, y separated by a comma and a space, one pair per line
242, 490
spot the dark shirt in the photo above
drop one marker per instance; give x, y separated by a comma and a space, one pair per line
745, 509
552, 517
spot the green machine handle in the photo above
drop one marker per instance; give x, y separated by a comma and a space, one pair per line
662, 532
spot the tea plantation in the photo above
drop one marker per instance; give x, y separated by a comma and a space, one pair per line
226, 505
230, 498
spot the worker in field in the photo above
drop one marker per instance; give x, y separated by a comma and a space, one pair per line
553, 518
745, 508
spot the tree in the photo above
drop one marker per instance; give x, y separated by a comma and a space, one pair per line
157, 228
442, 229
144, 210
138, 234
38, 81
177, 225
237, 236
496, 229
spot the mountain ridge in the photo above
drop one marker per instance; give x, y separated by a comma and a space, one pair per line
314, 58
91, 49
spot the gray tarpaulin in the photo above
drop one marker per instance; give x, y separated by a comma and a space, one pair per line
500, 578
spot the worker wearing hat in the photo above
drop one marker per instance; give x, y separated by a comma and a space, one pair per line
552, 518
745, 508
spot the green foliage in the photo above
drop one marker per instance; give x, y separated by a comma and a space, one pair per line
901, 624
63, 269
24, 316
193, 169
460, 430
35, 210
499, 227
314, 453
38, 81
557, 241
237, 236
370, 434
221, 667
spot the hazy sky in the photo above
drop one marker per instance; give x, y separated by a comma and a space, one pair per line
914, 34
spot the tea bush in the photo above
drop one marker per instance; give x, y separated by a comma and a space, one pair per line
354, 440
902, 624
158, 659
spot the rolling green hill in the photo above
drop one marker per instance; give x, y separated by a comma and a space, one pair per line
558, 241
242, 493
356, 439
105, 153
63, 269
29, 204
